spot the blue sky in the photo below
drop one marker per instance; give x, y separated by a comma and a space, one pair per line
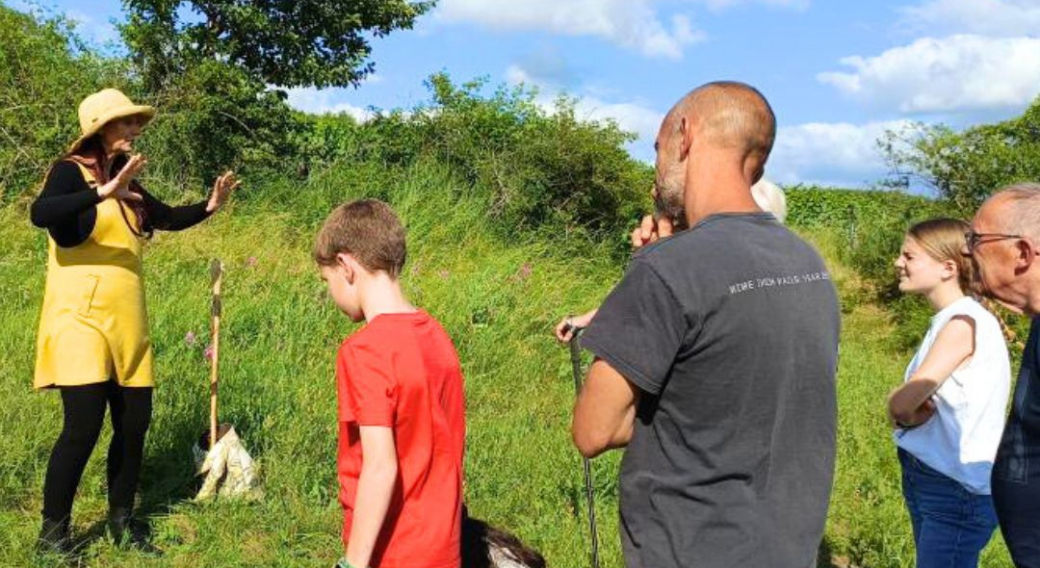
837, 72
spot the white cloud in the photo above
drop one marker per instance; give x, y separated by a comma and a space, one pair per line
629, 116
955, 74
92, 29
632, 24
834, 154
841, 153
516, 74
1001, 18
323, 101
722, 4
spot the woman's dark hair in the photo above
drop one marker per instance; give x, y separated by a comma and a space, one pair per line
479, 537
91, 154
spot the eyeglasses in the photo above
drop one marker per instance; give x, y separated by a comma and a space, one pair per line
974, 239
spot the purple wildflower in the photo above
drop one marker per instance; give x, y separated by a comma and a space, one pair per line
189, 339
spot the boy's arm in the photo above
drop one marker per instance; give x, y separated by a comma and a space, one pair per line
374, 491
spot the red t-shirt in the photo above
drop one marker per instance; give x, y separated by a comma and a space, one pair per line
401, 371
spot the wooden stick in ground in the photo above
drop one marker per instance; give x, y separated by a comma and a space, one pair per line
217, 273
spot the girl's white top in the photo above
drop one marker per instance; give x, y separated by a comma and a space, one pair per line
961, 439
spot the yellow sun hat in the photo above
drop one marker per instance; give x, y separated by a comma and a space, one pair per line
102, 107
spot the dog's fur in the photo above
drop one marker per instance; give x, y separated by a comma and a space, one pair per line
484, 546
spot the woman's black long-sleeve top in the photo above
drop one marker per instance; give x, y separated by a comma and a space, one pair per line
66, 209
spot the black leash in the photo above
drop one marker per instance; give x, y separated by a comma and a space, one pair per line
576, 364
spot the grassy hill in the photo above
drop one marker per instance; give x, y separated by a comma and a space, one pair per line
516, 217
498, 299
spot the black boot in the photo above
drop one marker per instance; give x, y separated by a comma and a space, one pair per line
55, 537
125, 531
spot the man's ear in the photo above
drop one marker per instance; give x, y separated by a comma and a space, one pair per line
348, 265
757, 175
1025, 254
685, 138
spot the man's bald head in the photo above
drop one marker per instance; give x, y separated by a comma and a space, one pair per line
711, 148
729, 114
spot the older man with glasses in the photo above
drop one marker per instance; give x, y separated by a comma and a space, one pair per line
1004, 241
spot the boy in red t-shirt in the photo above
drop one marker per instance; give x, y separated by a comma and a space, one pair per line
401, 416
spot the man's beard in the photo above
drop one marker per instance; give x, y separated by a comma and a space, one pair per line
668, 204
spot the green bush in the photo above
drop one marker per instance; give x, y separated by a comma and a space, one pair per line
871, 223
45, 70
216, 117
965, 167
535, 170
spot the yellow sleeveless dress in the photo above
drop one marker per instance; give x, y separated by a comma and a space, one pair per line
94, 326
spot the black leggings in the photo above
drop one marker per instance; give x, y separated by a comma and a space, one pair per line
84, 409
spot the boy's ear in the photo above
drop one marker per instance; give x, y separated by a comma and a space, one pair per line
348, 265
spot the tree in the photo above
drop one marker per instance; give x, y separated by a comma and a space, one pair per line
289, 43
45, 70
966, 167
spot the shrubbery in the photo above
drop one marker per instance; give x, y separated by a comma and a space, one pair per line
964, 167
536, 170
44, 73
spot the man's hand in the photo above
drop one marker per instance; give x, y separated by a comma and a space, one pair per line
222, 188
119, 186
650, 230
570, 325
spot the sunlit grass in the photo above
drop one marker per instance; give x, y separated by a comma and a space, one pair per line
497, 298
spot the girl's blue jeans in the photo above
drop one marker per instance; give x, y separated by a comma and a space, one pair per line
951, 524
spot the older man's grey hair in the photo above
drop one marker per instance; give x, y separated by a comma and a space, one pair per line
1022, 214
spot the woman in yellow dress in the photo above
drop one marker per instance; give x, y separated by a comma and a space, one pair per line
93, 343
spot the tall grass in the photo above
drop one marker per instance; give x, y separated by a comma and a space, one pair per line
279, 338
497, 297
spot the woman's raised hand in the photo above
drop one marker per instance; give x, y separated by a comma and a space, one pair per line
222, 188
119, 186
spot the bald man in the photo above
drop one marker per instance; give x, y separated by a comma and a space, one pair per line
1004, 242
715, 360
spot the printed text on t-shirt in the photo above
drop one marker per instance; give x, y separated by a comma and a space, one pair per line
774, 281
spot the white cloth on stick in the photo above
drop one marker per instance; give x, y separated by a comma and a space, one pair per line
229, 469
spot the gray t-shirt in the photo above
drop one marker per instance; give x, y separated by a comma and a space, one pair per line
730, 330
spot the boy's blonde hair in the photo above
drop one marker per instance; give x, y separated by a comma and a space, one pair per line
943, 239
368, 230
